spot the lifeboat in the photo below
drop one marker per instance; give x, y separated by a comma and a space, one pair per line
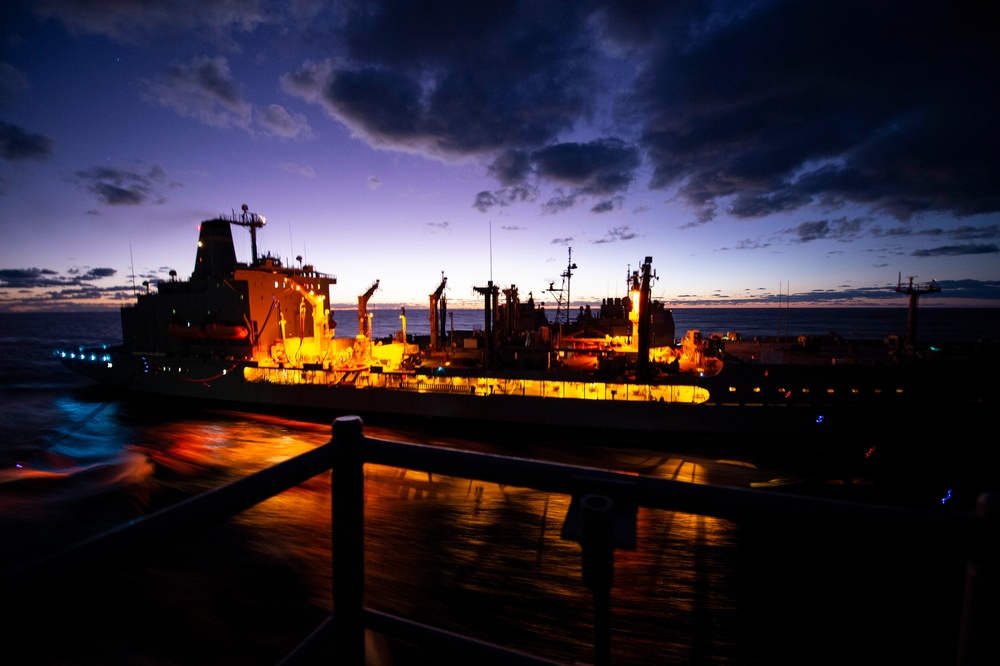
208, 332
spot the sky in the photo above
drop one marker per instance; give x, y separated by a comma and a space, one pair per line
811, 152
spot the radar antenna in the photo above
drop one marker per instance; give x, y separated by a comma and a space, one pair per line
914, 291
253, 222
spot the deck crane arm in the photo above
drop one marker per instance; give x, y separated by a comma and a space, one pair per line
363, 309
435, 298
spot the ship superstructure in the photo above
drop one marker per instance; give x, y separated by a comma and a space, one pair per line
263, 333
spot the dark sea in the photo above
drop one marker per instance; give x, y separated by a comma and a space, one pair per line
460, 554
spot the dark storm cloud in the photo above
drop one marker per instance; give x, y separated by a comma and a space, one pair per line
974, 233
598, 167
455, 78
957, 250
13, 82
17, 144
124, 187
280, 122
839, 229
203, 89
595, 168
776, 104
505, 196
27, 278
511, 167
495, 74
18, 276
751, 244
559, 202
218, 22
608, 205
747, 109
621, 233
384, 102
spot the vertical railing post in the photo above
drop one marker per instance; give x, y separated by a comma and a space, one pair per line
978, 642
347, 511
598, 546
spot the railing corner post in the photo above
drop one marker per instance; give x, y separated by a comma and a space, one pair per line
347, 493
348, 428
978, 642
598, 546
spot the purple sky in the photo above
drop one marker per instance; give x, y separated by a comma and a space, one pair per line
752, 149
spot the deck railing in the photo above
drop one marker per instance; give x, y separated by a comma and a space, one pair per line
602, 518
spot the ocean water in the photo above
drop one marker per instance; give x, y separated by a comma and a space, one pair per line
456, 553
937, 324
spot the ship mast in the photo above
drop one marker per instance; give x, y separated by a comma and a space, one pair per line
490, 293
253, 222
914, 292
567, 275
644, 324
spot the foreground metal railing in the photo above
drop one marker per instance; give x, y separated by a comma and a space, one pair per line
601, 518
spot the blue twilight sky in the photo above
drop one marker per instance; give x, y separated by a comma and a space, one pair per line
753, 149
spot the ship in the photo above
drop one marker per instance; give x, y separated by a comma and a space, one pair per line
260, 334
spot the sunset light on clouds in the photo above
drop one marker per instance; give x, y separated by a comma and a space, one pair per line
756, 151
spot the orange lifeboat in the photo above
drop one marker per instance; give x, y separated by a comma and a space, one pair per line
208, 332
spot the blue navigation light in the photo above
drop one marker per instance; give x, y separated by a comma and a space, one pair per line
819, 419
944, 500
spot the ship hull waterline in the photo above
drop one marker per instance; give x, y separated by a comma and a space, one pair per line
212, 382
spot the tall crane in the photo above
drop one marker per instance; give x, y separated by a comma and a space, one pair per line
363, 328
435, 298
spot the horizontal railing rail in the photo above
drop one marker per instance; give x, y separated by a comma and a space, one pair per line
604, 500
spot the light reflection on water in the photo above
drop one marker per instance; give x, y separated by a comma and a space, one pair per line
465, 555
